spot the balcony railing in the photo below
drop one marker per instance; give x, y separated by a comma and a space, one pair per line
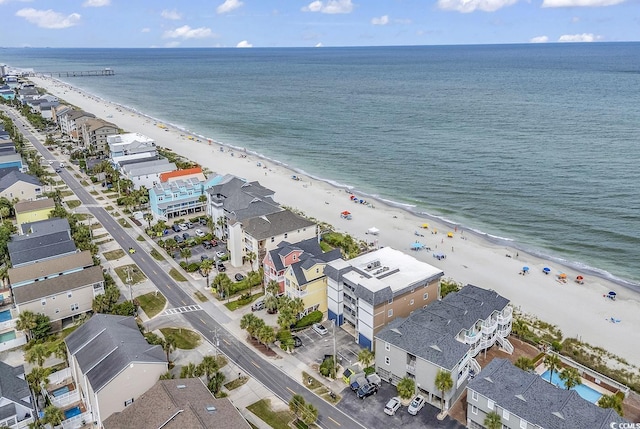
471, 338
59, 377
295, 293
506, 316
23, 424
462, 377
411, 368
78, 421
488, 326
8, 325
65, 399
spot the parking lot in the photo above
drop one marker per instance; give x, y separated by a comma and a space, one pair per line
316, 346
369, 412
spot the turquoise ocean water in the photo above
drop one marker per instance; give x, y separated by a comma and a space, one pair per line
536, 146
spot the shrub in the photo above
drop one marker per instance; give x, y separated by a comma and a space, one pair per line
193, 267
308, 320
327, 368
94, 179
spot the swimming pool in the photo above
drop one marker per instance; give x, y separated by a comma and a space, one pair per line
7, 336
584, 391
60, 391
5, 315
72, 412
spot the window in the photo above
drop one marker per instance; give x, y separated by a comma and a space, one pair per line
490, 404
523, 424
505, 414
411, 302
390, 313
474, 396
390, 300
387, 361
425, 296
474, 409
387, 346
74, 307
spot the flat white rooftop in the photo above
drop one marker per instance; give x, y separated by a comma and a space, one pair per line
388, 267
129, 138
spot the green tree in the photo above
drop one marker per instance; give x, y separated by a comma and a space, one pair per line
266, 335
216, 382
188, 371
286, 318
251, 256
611, 401
205, 268
492, 420
251, 323
26, 322
271, 302
37, 353
208, 367
366, 357
443, 383
524, 363
310, 414
169, 345
297, 306
296, 405
53, 416
222, 283
185, 253
42, 328
406, 387
571, 377
4, 212
328, 368
148, 217
36, 379
167, 376
551, 361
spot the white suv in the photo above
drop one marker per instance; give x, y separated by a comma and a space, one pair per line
392, 406
320, 330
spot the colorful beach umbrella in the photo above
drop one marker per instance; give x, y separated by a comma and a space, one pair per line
579, 278
546, 270
450, 234
425, 225
525, 269
563, 276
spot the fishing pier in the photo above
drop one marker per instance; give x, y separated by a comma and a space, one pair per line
103, 72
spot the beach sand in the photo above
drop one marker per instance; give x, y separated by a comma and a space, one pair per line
580, 311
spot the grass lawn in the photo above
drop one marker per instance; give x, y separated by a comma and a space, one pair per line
277, 420
201, 296
234, 384
99, 243
185, 338
95, 226
108, 208
325, 247
96, 193
176, 275
114, 254
152, 303
140, 238
84, 183
72, 204
123, 222
66, 193
83, 216
238, 303
156, 255
97, 237
136, 275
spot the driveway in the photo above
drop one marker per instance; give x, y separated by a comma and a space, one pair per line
316, 346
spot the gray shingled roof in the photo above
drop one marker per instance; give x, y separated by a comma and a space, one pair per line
25, 249
533, 399
263, 227
44, 227
53, 286
13, 388
243, 199
430, 332
155, 166
182, 404
107, 344
54, 266
17, 176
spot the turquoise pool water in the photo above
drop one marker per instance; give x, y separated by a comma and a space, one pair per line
584, 391
7, 336
60, 391
5, 315
71, 412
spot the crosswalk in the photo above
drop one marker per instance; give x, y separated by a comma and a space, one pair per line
179, 310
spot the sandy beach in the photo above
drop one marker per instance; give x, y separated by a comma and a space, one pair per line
579, 310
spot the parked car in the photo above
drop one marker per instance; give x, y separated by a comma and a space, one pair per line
189, 225
358, 381
320, 329
238, 277
297, 342
221, 267
58, 170
416, 405
186, 235
392, 406
220, 254
178, 239
214, 242
257, 306
367, 390
207, 245
203, 257
203, 221
199, 233
183, 226
175, 227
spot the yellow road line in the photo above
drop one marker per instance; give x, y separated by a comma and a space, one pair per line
334, 421
254, 364
290, 390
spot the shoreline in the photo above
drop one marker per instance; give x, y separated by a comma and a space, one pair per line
580, 311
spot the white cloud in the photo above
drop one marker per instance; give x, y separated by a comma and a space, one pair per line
228, 6
49, 18
329, 6
186, 32
96, 3
539, 39
244, 44
580, 3
171, 14
584, 37
466, 6
383, 20
319, 45
145, 30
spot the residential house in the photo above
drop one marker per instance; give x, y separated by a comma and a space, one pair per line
7, 93
368, 292
11, 160
146, 174
39, 244
69, 121
260, 234
112, 365
123, 147
42, 227
94, 134
16, 406
31, 211
524, 400
443, 336
179, 193
61, 288
21, 186
59, 111
299, 268
178, 404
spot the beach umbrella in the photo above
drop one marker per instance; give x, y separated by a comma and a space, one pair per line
525, 269
580, 278
450, 234
612, 293
416, 245
563, 276
425, 225
546, 270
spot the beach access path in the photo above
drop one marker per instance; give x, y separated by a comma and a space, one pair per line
580, 311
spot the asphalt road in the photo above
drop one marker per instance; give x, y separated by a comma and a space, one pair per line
274, 378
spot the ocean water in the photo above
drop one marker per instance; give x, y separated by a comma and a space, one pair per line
535, 146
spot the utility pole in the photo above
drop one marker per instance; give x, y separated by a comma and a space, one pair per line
129, 280
335, 362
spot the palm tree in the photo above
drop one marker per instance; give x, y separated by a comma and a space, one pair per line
148, 217
26, 322
169, 345
167, 376
297, 306
365, 357
296, 405
208, 367
406, 387
36, 378
273, 288
310, 414
250, 257
571, 377
493, 420
4, 212
61, 351
186, 254
271, 300
266, 335
611, 401
249, 322
552, 362
37, 353
443, 383
53, 416
205, 268
170, 244
286, 318
188, 371
524, 363
215, 384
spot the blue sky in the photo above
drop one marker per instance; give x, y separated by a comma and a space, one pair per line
308, 23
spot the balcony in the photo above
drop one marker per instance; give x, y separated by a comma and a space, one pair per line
505, 317
489, 326
411, 367
79, 420
297, 293
471, 338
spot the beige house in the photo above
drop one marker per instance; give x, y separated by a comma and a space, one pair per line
21, 186
94, 133
112, 365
